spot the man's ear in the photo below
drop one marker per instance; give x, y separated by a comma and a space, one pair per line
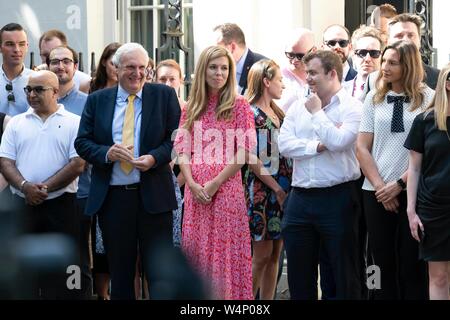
233, 46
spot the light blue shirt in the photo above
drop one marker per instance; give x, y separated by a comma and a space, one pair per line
240, 69
74, 102
18, 83
119, 177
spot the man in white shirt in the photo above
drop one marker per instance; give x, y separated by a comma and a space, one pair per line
300, 43
39, 160
320, 136
14, 75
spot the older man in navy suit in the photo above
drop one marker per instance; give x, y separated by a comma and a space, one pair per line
230, 36
125, 132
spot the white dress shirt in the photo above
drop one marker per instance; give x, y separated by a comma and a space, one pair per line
294, 92
335, 126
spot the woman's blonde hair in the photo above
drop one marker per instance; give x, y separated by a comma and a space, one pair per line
412, 74
263, 69
198, 99
440, 101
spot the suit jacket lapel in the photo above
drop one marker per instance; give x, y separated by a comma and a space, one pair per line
108, 115
147, 111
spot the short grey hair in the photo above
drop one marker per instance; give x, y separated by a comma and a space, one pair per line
127, 48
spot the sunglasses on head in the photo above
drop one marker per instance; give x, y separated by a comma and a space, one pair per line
10, 97
332, 43
37, 89
362, 53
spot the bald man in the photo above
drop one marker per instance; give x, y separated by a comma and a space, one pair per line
300, 42
38, 159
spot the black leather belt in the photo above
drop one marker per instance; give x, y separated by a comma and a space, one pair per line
127, 187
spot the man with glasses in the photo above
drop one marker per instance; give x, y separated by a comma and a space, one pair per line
63, 61
300, 42
367, 44
126, 132
54, 38
39, 160
14, 75
337, 38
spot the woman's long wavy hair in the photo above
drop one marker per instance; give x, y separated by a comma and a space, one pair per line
101, 77
440, 101
263, 69
412, 74
198, 99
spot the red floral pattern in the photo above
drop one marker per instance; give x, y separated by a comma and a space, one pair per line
216, 237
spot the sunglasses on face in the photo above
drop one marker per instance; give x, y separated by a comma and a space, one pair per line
362, 53
332, 43
448, 77
298, 56
38, 89
9, 88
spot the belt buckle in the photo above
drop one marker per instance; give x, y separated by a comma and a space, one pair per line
130, 187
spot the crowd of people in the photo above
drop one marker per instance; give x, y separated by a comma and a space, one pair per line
339, 156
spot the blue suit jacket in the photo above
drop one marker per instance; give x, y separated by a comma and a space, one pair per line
252, 58
160, 117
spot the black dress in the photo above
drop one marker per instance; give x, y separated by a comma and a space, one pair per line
433, 193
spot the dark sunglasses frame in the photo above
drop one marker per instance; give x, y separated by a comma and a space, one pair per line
10, 97
299, 56
362, 53
38, 89
448, 77
342, 43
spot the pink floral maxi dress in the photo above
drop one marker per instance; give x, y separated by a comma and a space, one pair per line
216, 237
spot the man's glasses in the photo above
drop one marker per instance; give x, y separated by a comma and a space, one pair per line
9, 88
332, 43
38, 89
298, 56
362, 53
65, 61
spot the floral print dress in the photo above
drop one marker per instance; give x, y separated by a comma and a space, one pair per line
263, 209
215, 237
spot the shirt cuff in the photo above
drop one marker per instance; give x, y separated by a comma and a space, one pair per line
311, 148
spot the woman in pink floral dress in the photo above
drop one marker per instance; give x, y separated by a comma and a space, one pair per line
214, 140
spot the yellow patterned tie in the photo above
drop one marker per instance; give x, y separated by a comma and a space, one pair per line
128, 132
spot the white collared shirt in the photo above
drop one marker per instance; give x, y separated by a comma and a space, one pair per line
41, 149
336, 126
294, 92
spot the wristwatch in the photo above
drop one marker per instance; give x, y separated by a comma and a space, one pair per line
401, 183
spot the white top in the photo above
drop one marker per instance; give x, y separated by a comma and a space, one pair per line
80, 77
294, 92
335, 126
387, 148
41, 149
21, 104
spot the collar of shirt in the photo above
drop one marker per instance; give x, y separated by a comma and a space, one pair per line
61, 111
337, 99
70, 92
346, 69
24, 72
240, 65
123, 95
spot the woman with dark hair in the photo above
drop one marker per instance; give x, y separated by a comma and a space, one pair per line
388, 114
264, 200
429, 186
106, 74
105, 77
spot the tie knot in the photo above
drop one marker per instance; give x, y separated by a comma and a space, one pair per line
131, 98
401, 99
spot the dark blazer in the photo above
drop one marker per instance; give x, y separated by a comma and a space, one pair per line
352, 73
252, 57
160, 117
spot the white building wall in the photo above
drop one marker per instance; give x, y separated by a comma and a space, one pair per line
441, 28
264, 22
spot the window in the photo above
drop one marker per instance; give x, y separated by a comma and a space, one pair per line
144, 23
